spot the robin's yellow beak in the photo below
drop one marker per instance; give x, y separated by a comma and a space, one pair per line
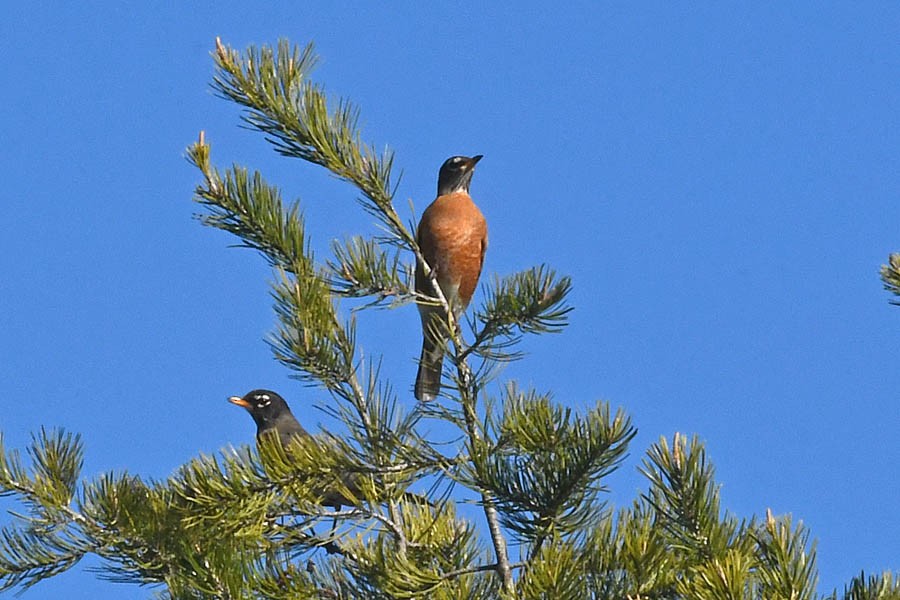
240, 402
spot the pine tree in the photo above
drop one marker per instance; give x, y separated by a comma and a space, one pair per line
890, 275
248, 523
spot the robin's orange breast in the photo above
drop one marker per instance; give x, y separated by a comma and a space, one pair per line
453, 239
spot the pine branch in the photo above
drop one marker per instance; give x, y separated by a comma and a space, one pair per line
251, 209
468, 386
685, 497
725, 577
50, 539
890, 275
555, 572
57, 459
627, 557
786, 569
531, 301
310, 338
885, 586
440, 560
392, 449
280, 102
546, 468
361, 268
136, 532
28, 557
275, 575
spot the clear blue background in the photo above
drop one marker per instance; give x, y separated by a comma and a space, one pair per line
721, 182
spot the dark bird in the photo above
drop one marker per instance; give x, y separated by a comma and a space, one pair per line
271, 413
453, 238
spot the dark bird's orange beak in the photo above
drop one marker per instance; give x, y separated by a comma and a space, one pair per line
240, 402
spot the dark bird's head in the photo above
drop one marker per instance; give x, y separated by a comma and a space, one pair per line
266, 407
456, 174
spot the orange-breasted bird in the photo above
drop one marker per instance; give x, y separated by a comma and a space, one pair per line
453, 238
273, 416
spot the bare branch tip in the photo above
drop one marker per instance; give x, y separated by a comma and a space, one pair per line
676, 449
220, 48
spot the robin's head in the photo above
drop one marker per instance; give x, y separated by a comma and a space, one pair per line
264, 406
456, 174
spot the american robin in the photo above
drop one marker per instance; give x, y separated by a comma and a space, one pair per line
272, 414
453, 237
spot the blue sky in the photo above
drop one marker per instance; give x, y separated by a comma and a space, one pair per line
721, 182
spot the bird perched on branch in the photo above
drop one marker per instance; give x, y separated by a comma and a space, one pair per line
272, 415
452, 235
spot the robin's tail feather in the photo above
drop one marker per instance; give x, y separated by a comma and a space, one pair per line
428, 380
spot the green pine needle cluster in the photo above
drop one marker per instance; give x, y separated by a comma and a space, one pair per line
546, 465
514, 507
890, 275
